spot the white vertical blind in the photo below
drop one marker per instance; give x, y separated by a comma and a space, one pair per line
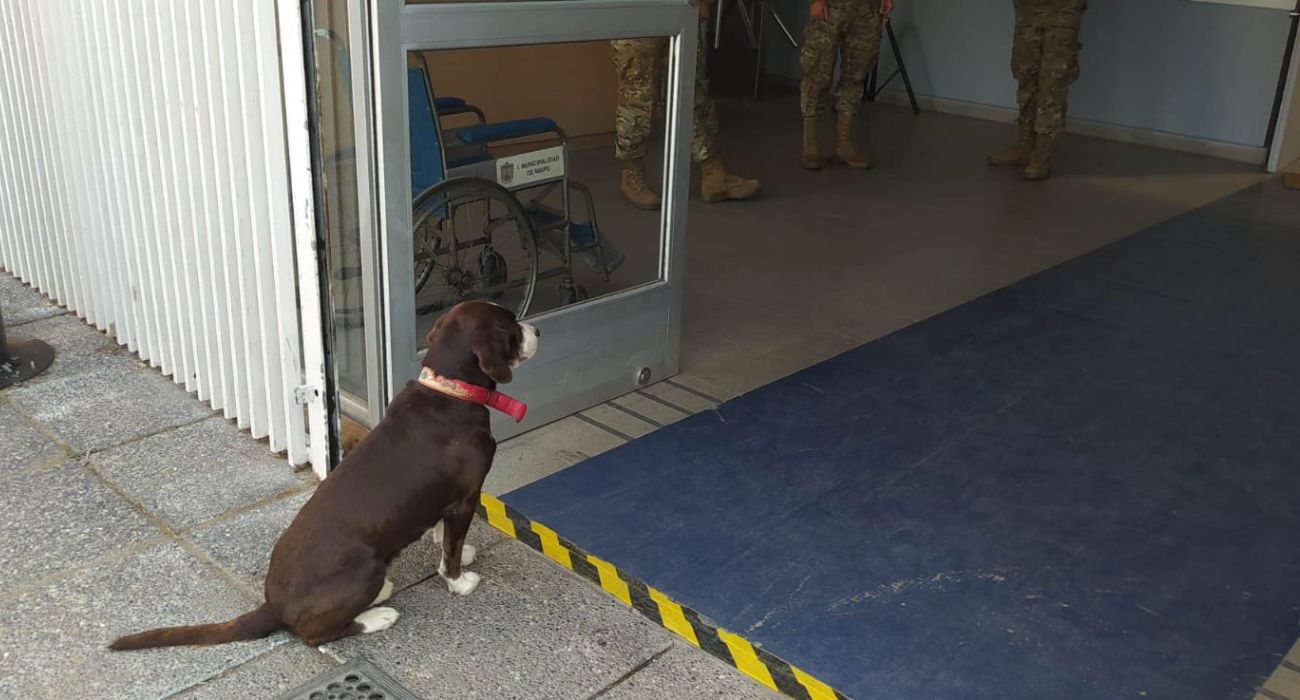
155, 179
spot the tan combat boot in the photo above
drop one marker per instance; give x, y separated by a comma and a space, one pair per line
1018, 154
811, 157
634, 188
1040, 160
718, 185
845, 151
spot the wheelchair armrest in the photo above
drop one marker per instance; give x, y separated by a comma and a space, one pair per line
452, 106
465, 109
479, 134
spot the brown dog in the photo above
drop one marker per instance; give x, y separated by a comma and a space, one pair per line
422, 467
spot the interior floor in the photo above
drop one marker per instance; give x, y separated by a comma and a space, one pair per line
825, 261
1076, 486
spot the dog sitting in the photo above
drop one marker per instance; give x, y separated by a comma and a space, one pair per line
422, 467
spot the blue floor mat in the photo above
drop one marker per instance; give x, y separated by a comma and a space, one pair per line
1084, 485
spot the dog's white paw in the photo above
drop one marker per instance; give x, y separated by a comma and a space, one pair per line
464, 585
376, 620
384, 593
467, 555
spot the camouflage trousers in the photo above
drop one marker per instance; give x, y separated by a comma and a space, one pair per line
851, 32
641, 64
1045, 59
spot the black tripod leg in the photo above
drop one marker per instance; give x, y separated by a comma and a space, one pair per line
760, 59
902, 69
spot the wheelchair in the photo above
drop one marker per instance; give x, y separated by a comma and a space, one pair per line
488, 226
473, 237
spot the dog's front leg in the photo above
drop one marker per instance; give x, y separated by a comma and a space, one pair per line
467, 551
455, 525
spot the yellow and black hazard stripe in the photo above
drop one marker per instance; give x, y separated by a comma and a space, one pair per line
731, 648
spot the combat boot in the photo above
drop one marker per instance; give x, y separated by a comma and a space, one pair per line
1018, 154
1040, 161
718, 185
634, 188
845, 151
811, 158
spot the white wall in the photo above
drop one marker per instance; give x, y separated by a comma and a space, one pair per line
1197, 69
145, 184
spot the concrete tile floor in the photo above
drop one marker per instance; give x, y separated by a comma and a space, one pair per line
116, 520
525, 633
823, 262
55, 634
75, 518
282, 668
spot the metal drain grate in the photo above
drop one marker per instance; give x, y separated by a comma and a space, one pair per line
355, 680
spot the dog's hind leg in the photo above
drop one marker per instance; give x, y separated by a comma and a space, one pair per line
457, 519
376, 620
342, 605
367, 622
384, 593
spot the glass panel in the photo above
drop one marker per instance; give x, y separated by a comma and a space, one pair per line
518, 193
334, 73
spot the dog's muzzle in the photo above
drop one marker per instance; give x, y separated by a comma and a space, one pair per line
528, 347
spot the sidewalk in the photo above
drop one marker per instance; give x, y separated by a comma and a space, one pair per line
126, 503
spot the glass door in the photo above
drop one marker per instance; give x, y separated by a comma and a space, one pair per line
498, 176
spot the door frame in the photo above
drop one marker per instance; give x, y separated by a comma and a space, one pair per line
595, 350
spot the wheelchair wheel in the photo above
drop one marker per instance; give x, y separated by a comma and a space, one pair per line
472, 240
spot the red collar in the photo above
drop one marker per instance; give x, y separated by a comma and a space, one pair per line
473, 393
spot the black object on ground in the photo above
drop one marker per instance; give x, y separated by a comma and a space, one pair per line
21, 359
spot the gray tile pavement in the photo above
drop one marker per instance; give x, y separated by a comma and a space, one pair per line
126, 503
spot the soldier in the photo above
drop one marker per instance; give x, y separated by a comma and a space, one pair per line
1044, 60
851, 29
640, 64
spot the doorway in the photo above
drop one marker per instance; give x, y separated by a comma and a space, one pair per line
460, 159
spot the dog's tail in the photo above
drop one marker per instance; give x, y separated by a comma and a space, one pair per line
251, 625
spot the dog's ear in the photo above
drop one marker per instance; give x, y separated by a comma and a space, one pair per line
492, 348
437, 325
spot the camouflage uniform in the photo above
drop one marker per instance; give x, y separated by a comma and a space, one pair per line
640, 64
851, 30
1045, 60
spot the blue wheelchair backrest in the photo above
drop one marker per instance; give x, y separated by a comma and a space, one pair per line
427, 166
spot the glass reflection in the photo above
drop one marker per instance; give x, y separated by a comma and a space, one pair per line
334, 71
514, 182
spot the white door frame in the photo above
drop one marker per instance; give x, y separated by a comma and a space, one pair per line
314, 392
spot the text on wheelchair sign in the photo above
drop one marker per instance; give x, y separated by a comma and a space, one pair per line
530, 167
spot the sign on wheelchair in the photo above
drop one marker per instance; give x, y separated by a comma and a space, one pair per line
531, 168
